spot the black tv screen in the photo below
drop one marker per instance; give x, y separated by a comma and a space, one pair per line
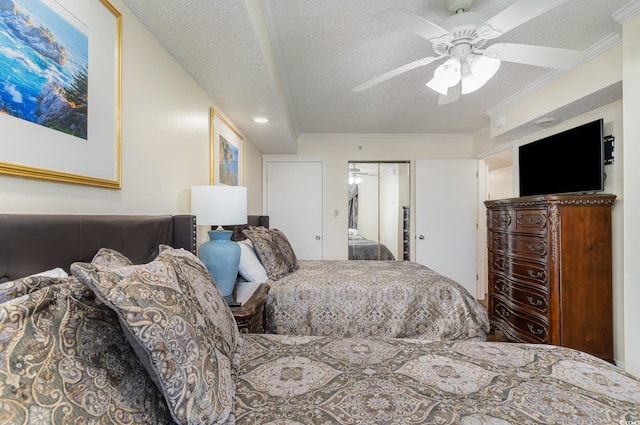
567, 162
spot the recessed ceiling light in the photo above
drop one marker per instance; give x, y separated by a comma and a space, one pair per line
260, 119
547, 121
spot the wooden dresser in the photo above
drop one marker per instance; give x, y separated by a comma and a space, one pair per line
550, 270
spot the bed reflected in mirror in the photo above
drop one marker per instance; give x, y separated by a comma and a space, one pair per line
379, 199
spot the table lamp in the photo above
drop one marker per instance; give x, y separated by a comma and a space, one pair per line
220, 205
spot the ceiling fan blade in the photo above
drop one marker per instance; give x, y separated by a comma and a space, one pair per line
453, 94
394, 72
515, 15
548, 57
411, 22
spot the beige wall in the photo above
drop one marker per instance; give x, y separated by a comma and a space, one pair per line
598, 73
500, 183
165, 122
631, 203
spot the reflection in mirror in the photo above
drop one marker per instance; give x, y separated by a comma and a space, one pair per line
379, 199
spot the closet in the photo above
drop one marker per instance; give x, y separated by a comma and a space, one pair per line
379, 214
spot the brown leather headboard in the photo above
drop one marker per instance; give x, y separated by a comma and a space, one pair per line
31, 243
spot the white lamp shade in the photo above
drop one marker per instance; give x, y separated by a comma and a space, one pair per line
219, 205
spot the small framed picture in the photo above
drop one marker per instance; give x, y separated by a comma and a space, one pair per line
225, 152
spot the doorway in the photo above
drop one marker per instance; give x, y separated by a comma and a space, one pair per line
303, 181
379, 199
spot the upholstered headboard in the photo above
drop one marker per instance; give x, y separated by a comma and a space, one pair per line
252, 220
32, 243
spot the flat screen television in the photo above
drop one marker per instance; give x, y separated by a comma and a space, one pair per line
568, 162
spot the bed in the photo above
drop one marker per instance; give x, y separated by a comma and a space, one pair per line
154, 343
364, 298
361, 248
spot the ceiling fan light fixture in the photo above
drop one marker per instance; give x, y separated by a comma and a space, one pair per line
477, 71
355, 179
446, 75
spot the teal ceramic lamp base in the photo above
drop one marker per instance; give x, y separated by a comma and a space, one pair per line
221, 256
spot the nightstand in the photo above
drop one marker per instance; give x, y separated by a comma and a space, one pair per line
251, 317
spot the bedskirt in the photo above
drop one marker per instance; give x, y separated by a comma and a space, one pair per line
317, 380
384, 299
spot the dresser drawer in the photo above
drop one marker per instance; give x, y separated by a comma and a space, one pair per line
531, 220
498, 241
534, 247
519, 325
499, 219
532, 273
529, 298
527, 247
529, 272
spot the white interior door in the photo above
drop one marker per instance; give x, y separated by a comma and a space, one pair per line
446, 218
294, 194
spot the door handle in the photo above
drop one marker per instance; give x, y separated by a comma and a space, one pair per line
318, 238
421, 237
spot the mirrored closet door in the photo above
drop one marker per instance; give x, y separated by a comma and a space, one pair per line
379, 199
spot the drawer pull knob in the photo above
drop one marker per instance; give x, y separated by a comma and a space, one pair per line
535, 248
502, 312
531, 220
502, 287
534, 331
534, 274
538, 302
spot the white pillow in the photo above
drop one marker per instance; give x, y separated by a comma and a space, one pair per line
251, 269
57, 272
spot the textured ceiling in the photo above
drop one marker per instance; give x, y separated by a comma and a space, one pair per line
296, 61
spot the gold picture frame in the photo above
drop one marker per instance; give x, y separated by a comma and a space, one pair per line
225, 151
32, 150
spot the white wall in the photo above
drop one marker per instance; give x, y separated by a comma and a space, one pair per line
165, 143
631, 204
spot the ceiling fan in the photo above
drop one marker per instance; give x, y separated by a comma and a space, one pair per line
461, 39
355, 174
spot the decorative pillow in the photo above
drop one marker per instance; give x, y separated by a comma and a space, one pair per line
176, 313
250, 269
64, 360
274, 251
109, 259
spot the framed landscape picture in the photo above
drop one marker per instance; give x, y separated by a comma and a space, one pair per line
225, 151
60, 98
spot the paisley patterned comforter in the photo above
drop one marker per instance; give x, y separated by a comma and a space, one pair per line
385, 299
316, 380
361, 248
